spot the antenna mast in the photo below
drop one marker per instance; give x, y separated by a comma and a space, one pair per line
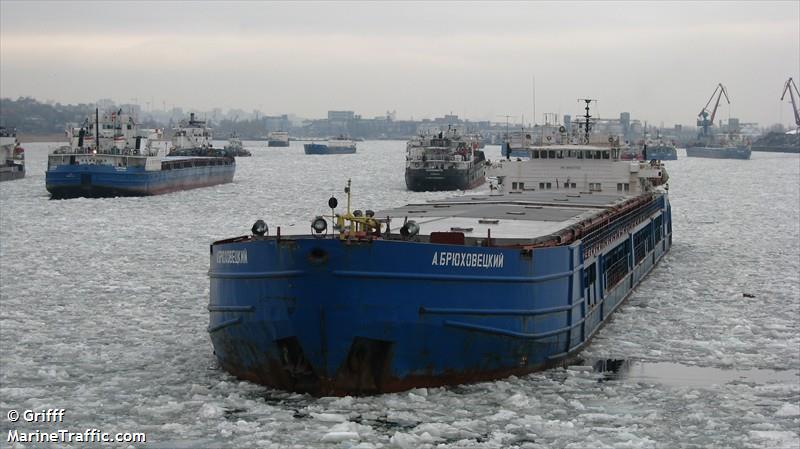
587, 118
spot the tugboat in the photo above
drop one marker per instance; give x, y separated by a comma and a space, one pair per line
337, 145
711, 145
470, 288
235, 147
12, 154
110, 156
444, 161
278, 139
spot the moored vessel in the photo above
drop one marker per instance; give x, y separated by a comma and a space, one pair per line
444, 161
110, 155
712, 144
469, 288
12, 155
337, 145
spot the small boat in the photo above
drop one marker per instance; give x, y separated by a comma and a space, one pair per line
12, 155
337, 145
444, 161
110, 156
278, 139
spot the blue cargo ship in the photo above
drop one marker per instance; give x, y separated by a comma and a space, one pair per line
719, 151
338, 145
118, 159
460, 290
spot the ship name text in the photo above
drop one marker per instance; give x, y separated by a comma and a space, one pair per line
474, 260
232, 256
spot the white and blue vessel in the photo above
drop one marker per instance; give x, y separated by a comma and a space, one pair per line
110, 155
337, 145
278, 139
465, 289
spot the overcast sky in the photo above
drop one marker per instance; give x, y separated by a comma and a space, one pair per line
660, 61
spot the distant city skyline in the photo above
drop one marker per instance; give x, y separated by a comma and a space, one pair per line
660, 61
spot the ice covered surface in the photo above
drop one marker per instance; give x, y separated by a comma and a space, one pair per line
103, 313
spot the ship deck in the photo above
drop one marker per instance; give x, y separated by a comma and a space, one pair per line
521, 216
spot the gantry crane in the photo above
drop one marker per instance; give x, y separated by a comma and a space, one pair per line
704, 119
788, 88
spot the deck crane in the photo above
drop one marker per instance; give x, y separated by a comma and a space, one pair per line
788, 88
704, 119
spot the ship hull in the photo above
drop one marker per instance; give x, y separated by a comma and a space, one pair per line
719, 152
318, 148
277, 143
434, 179
331, 317
11, 173
95, 181
661, 154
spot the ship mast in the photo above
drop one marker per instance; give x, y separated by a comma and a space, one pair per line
587, 119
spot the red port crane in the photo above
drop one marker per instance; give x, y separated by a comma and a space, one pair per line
788, 88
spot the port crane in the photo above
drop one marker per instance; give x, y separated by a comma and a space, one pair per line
704, 120
795, 108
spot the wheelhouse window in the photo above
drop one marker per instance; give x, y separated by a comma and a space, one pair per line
595, 187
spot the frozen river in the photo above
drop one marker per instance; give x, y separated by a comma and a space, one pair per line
103, 314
